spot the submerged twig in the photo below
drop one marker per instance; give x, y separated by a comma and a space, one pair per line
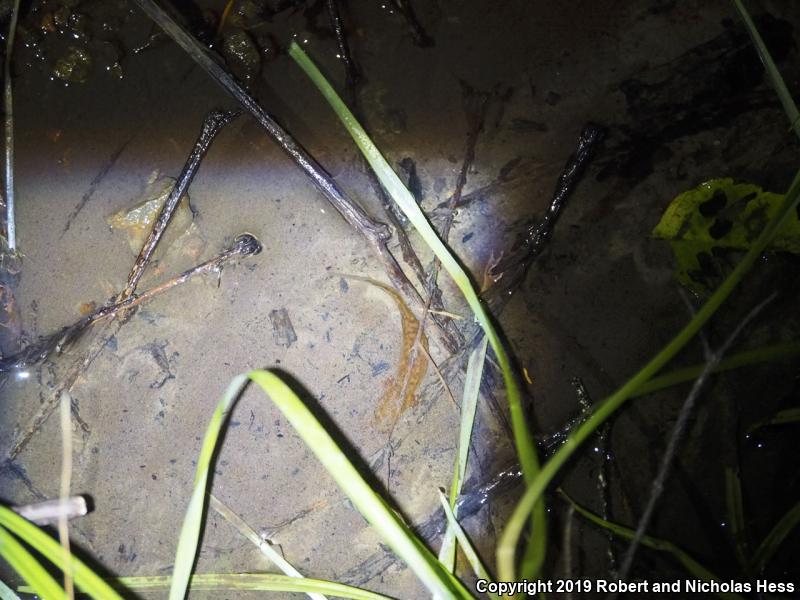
244, 245
476, 106
39, 351
406, 249
410, 257
585, 402
507, 274
350, 68
213, 123
510, 272
678, 429
376, 233
476, 116
351, 212
418, 33
8, 104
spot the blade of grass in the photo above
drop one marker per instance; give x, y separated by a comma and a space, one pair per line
66, 479
385, 521
746, 358
523, 439
27, 567
774, 539
735, 508
690, 564
258, 582
469, 403
511, 535
86, 579
678, 429
6, 593
447, 552
263, 545
372, 507
778, 84
186, 552
783, 417
481, 572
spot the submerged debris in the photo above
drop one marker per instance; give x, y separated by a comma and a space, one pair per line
242, 13
241, 54
400, 392
244, 245
419, 35
74, 67
137, 221
48, 512
351, 70
10, 318
706, 224
8, 109
282, 330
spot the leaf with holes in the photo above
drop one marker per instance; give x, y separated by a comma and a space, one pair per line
708, 224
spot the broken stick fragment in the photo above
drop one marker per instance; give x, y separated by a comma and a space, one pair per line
282, 330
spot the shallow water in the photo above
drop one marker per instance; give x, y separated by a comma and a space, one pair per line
596, 304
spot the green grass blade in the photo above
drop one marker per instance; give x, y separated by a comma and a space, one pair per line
511, 535
392, 530
481, 572
774, 539
689, 563
775, 78
735, 508
255, 582
447, 553
400, 194
27, 567
773, 352
783, 417
388, 525
84, 577
6, 593
263, 545
469, 403
190, 530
